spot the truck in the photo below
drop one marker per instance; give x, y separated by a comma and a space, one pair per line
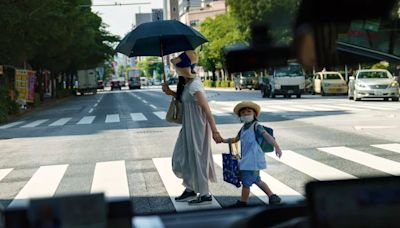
286, 80
245, 80
86, 82
134, 78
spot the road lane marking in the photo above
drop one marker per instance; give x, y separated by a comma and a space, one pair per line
373, 127
372, 161
160, 114
12, 124
4, 173
310, 167
144, 101
394, 147
138, 117
60, 122
366, 107
153, 106
347, 108
286, 108
112, 118
43, 183
313, 107
287, 194
174, 186
35, 123
110, 178
87, 120
219, 113
95, 105
91, 110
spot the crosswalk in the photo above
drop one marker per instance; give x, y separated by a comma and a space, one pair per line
112, 177
218, 109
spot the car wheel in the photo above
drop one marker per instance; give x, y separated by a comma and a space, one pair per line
272, 94
322, 92
385, 99
298, 95
395, 99
264, 92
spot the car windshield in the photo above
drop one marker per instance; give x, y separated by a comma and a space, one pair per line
373, 75
289, 71
332, 77
242, 127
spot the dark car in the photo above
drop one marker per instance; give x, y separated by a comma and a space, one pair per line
115, 85
100, 84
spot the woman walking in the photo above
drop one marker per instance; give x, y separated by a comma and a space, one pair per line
192, 159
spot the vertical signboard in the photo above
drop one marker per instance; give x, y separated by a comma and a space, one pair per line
25, 85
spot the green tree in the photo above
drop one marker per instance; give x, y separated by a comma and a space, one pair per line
220, 31
278, 14
149, 64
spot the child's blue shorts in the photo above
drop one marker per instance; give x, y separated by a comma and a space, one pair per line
249, 177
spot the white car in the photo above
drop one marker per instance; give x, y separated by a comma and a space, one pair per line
373, 83
329, 82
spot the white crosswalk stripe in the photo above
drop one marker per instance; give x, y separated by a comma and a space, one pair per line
112, 118
61, 122
216, 112
49, 176
4, 173
110, 178
34, 123
138, 117
287, 194
310, 167
12, 124
87, 120
174, 186
160, 114
394, 147
369, 160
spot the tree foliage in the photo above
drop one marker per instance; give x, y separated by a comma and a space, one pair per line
149, 64
220, 31
278, 14
58, 35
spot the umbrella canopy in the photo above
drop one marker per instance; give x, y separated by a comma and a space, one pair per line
160, 38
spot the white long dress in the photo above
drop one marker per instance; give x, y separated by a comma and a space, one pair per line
192, 159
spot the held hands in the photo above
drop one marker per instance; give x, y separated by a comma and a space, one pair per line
217, 137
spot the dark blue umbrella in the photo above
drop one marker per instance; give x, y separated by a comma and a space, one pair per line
160, 38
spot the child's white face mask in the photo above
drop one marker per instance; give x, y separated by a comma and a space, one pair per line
247, 119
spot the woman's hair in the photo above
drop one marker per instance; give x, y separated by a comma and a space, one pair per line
180, 87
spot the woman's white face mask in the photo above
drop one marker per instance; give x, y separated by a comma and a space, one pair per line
247, 119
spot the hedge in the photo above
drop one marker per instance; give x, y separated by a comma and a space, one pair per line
220, 83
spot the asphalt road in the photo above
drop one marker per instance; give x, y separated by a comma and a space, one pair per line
117, 142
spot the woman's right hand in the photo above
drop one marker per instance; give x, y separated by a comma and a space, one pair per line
166, 89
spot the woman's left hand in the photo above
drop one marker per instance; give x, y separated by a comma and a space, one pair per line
217, 137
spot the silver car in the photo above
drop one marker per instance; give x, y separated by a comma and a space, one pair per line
373, 83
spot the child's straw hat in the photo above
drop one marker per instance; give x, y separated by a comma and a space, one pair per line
247, 104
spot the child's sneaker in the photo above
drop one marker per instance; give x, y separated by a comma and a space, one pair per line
201, 200
274, 199
186, 196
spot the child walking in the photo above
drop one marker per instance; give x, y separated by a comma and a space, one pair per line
252, 157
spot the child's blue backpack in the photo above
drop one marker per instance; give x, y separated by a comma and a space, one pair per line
264, 144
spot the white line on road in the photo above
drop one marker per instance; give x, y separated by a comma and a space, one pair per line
90, 111
287, 194
174, 187
95, 105
313, 107
43, 183
35, 123
60, 122
394, 147
160, 114
12, 124
144, 101
87, 120
138, 117
110, 178
4, 173
373, 127
310, 167
372, 161
219, 113
113, 118
153, 106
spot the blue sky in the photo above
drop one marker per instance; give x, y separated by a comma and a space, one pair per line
121, 18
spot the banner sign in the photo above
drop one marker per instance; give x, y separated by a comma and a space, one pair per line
25, 85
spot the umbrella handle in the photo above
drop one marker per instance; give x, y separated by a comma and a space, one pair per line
162, 61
